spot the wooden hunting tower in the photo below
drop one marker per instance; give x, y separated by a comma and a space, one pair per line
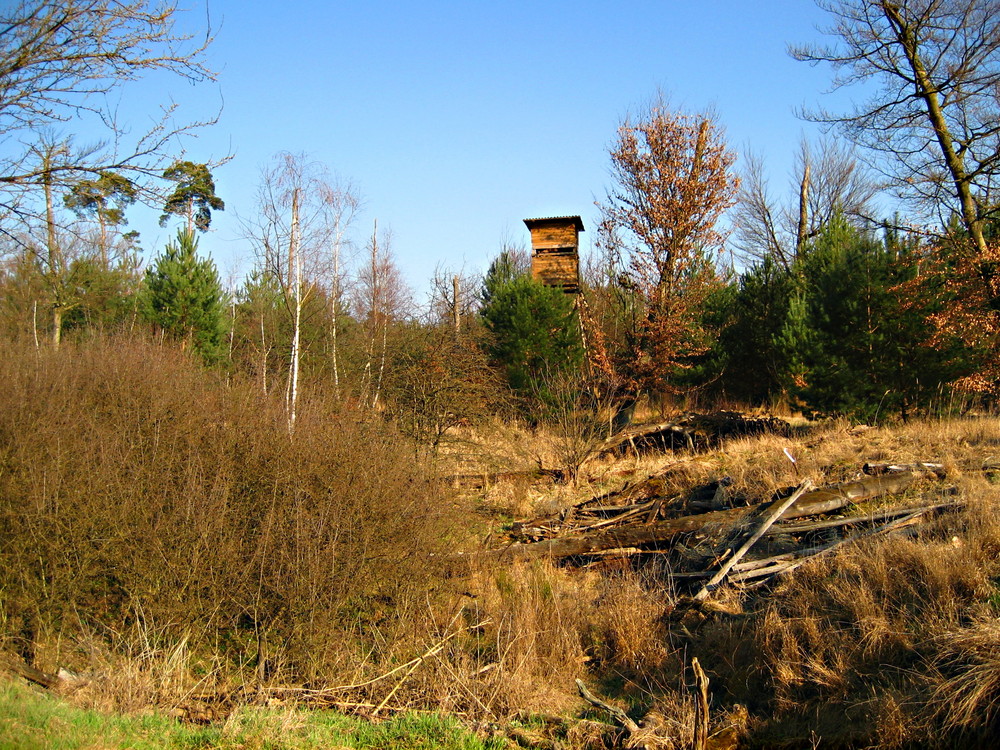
555, 251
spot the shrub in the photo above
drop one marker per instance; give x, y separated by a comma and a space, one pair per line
141, 494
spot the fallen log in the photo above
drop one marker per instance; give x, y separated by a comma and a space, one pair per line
938, 470
61, 680
22, 669
754, 570
832, 523
655, 497
617, 714
820, 500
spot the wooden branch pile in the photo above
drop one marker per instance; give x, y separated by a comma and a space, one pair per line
706, 537
694, 432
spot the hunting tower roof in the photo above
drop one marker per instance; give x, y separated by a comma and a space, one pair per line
576, 221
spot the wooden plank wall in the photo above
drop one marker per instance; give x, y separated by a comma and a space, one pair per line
553, 236
557, 268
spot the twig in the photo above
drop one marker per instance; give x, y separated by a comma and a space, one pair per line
773, 516
423, 657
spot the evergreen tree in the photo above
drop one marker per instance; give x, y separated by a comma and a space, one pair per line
107, 293
867, 350
184, 298
533, 332
845, 330
105, 200
751, 360
194, 198
506, 267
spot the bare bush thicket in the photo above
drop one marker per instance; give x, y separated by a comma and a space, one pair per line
141, 495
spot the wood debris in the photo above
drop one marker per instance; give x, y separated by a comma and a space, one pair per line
710, 532
693, 431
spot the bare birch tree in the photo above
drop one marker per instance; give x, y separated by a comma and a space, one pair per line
298, 234
295, 273
381, 297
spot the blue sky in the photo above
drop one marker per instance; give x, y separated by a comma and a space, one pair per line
456, 120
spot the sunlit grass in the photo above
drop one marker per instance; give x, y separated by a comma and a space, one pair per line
34, 720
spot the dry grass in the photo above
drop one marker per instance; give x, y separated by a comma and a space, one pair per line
535, 640
629, 630
966, 678
884, 643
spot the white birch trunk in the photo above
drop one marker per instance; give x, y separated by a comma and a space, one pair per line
293, 370
335, 312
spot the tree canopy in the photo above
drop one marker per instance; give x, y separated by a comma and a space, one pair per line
63, 61
932, 121
193, 198
672, 183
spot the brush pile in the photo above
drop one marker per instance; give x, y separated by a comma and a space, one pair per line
693, 432
711, 529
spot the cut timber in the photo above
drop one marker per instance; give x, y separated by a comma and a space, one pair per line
833, 523
769, 521
642, 432
804, 556
650, 495
937, 470
821, 500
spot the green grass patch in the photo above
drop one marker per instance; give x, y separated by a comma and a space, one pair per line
34, 720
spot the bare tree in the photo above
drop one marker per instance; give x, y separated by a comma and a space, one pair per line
295, 281
757, 218
298, 234
838, 183
344, 204
934, 122
381, 296
59, 63
454, 297
828, 183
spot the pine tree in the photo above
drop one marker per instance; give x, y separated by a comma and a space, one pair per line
194, 198
751, 360
183, 297
868, 352
533, 329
